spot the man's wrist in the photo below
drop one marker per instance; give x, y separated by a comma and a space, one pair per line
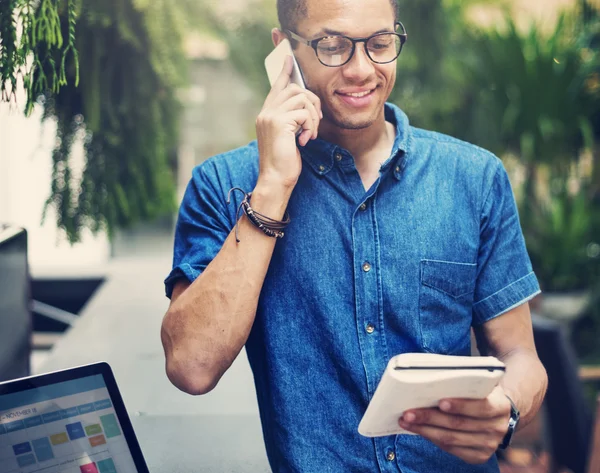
271, 199
274, 181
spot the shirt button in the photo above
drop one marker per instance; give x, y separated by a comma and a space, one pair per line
366, 267
363, 206
321, 168
397, 168
370, 328
391, 456
338, 157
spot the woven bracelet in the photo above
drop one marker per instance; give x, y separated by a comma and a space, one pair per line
270, 227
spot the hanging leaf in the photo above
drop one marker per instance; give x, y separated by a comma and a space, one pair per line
108, 72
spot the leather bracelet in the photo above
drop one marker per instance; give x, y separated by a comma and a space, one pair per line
269, 226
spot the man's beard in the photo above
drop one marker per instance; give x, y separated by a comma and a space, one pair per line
348, 124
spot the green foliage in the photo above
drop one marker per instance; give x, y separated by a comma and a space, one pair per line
41, 37
129, 54
560, 240
533, 101
431, 84
533, 95
132, 64
10, 55
590, 43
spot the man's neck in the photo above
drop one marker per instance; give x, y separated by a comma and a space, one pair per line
363, 143
370, 147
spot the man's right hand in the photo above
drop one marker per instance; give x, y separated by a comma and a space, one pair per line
287, 108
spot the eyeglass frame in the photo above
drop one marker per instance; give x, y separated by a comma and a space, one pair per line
314, 42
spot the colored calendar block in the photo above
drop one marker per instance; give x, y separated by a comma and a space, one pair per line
58, 439
89, 468
21, 448
97, 440
111, 427
26, 460
75, 431
43, 449
107, 466
93, 429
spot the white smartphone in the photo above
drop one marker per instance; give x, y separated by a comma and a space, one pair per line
274, 64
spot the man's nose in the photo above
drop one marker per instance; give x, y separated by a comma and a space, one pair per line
360, 65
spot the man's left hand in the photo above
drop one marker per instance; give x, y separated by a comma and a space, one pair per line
470, 429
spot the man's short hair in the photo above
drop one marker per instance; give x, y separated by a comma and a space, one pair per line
290, 11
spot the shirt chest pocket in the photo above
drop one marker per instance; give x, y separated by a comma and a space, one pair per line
445, 306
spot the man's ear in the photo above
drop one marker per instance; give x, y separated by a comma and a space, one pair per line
277, 36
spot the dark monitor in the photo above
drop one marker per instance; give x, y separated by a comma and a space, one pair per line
15, 313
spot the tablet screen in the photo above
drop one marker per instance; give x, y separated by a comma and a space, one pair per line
64, 427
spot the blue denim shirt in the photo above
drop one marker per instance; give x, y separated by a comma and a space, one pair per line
433, 248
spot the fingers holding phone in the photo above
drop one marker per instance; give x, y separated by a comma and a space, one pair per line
294, 99
287, 81
289, 110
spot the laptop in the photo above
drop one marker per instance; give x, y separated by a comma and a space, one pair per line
70, 421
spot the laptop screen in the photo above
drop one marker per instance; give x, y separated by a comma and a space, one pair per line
70, 426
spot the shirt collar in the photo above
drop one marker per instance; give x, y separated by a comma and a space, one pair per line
321, 155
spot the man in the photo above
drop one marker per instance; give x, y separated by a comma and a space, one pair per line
400, 240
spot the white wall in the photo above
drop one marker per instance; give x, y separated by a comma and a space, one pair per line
25, 171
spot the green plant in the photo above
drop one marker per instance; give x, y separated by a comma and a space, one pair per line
534, 102
130, 61
432, 85
127, 111
32, 46
533, 97
561, 238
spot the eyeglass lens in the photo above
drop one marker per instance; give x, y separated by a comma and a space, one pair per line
337, 50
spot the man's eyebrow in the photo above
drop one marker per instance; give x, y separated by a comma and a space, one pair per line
329, 31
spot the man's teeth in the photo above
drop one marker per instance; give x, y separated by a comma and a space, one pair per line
360, 94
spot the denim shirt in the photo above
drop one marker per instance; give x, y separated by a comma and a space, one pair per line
433, 248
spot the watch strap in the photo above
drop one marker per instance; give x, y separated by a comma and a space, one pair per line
515, 415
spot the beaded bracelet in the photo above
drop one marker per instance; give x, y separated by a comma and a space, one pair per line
270, 227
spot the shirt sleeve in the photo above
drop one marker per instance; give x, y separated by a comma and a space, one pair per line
202, 227
505, 278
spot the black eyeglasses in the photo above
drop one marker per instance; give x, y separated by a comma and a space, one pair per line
337, 50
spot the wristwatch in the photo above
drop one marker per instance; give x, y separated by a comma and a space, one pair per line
512, 425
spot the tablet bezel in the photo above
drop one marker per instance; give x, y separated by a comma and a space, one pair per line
102, 368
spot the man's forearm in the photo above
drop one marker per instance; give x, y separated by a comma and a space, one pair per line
525, 382
208, 324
